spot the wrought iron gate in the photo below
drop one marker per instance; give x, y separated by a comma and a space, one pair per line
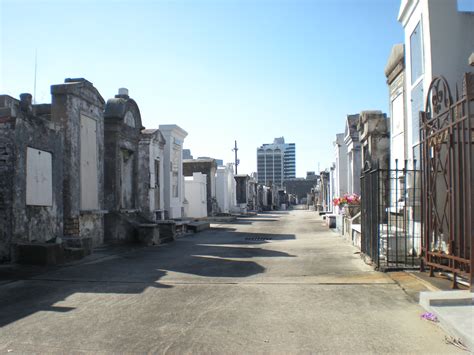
446, 145
390, 217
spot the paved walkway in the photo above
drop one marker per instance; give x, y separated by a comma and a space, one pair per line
272, 283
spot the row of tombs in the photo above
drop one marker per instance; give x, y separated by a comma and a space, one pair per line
80, 172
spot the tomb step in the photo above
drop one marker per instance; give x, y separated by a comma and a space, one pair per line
149, 234
167, 231
168, 239
198, 226
73, 254
79, 243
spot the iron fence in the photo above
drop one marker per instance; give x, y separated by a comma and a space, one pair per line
391, 217
447, 152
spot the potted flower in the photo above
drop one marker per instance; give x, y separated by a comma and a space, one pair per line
339, 203
350, 203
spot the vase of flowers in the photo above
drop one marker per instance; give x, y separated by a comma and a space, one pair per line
349, 203
351, 210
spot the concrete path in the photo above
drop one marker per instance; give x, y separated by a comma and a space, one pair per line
272, 283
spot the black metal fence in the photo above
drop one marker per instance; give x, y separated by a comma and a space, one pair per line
390, 218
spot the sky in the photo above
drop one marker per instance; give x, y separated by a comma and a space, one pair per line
223, 70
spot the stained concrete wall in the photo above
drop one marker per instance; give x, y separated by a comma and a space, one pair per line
27, 129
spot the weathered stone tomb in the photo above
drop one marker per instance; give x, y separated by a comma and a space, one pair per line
77, 107
151, 174
31, 175
123, 128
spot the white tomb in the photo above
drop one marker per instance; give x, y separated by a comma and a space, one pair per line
225, 189
173, 169
196, 195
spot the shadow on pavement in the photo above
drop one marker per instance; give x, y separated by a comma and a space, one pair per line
217, 253
252, 220
213, 237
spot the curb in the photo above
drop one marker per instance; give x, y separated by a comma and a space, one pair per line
425, 283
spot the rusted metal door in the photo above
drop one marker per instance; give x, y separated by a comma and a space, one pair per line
447, 178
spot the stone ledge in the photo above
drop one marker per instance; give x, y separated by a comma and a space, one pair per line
446, 298
149, 234
40, 253
74, 254
79, 242
357, 228
454, 310
167, 230
198, 226
331, 220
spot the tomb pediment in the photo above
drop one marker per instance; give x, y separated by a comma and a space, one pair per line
124, 110
79, 87
351, 134
154, 135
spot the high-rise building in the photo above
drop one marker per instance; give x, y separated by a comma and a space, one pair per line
187, 154
276, 162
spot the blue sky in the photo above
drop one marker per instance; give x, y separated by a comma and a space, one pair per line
249, 70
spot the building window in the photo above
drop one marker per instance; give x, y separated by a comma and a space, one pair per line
416, 53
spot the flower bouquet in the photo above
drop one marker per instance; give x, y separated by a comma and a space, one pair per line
349, 202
